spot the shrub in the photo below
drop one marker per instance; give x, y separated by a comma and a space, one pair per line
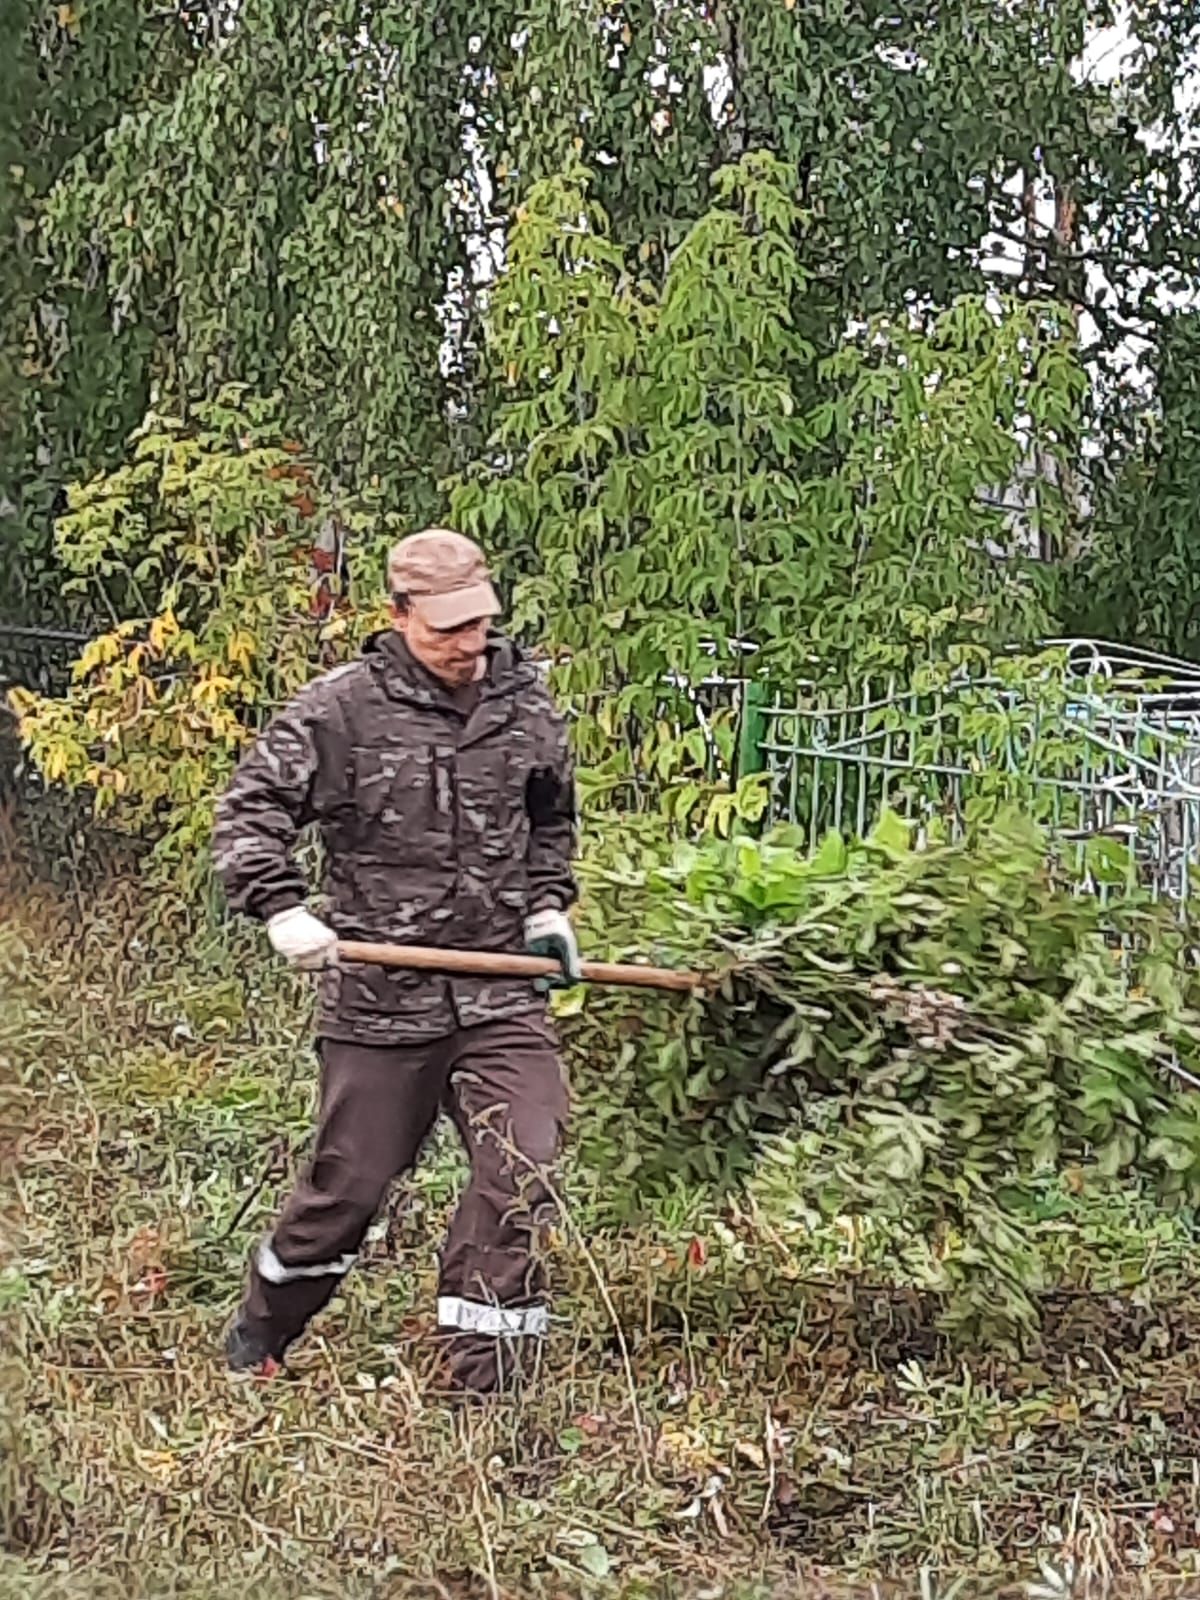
204, 545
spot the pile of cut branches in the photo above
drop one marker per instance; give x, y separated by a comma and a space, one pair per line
946, 1038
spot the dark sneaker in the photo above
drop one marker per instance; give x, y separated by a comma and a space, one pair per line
245, 1353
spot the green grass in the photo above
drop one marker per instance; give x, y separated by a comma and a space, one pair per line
751, 1415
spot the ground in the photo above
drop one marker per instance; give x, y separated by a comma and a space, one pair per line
715, 1417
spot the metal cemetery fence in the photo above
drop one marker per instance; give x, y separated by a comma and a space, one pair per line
35, 658
1106, 755
43, 824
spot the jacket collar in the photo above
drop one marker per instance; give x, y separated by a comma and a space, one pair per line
509, 671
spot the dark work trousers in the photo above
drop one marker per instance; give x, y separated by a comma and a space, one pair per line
503, 1085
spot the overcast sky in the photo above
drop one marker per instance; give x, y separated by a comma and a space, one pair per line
1107, 59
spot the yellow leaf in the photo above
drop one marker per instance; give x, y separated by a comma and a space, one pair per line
240, 649
158, 1465
68, 17
23, 702
96, 653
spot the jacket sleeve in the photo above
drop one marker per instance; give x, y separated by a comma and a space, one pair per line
268, 801
553, 821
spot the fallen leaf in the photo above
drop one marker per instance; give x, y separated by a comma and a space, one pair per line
594, 1559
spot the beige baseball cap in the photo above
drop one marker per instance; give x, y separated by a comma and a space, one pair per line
445, 576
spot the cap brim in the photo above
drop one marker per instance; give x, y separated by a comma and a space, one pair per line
455, 610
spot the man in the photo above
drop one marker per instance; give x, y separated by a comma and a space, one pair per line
437, 770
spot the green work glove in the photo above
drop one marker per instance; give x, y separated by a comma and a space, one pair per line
549, 933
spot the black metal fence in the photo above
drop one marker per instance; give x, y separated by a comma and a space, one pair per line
47, 830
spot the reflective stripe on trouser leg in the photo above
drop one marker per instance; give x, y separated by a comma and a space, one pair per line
497, 1322
275, 1271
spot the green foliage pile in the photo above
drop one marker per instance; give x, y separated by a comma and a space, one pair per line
945, 1039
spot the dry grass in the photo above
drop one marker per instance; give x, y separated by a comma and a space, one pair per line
795, 1436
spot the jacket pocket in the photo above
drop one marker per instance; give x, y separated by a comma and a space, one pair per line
403, 802
495, 823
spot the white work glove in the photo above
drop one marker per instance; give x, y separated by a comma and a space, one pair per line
549, 933
302, 939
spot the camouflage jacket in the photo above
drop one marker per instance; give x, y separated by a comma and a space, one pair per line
439, 828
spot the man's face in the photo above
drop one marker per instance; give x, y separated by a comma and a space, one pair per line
455, 655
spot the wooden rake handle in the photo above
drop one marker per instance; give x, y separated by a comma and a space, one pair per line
502, 964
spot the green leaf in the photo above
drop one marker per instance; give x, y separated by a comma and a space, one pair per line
891, 834
831, 858
595, 1560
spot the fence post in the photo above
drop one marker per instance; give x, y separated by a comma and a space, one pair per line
751, 729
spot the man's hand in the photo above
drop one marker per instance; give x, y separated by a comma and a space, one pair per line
302, 939
549, 933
